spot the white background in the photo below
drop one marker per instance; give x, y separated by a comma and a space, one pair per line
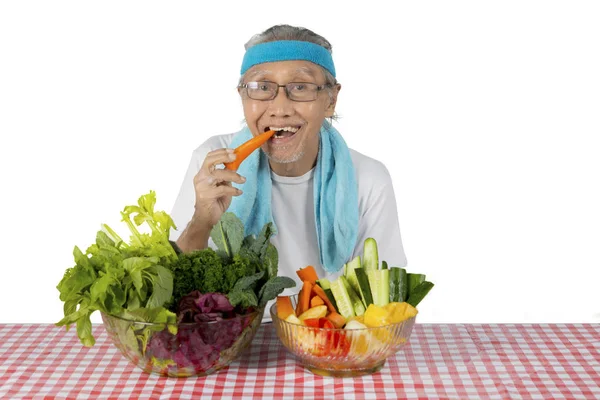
487, 116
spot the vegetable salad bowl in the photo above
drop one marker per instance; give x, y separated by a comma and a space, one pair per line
342, 352
183, 349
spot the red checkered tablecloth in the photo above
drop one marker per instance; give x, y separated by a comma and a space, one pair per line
450, 361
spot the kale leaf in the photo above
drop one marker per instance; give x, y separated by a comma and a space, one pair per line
273, 288
228, 235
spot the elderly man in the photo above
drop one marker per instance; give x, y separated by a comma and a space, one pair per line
324, 198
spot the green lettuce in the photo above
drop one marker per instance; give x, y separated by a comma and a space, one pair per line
120, 278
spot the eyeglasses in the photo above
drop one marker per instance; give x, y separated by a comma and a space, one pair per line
295, 91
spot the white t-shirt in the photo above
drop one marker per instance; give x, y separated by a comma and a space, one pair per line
293, 211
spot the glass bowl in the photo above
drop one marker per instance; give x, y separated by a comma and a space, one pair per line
184, 349
341, 352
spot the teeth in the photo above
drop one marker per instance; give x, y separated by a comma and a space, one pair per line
285, 128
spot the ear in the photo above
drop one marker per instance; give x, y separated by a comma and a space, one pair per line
330, 110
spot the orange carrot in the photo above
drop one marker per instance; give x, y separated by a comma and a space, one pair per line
321, 293
245, 149
284, 307
304, 298
316, 301
308, 274
336, 319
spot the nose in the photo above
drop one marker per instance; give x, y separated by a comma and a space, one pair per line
281, 106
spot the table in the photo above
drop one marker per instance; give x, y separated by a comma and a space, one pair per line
441, 361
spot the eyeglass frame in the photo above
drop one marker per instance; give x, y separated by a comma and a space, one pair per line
287, 93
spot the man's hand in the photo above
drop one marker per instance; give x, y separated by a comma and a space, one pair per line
213, 196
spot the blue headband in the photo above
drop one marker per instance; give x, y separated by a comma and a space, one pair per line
286, 50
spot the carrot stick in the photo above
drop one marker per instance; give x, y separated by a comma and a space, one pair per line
245, 149
316, 301
321, 293
304, 298
308, 274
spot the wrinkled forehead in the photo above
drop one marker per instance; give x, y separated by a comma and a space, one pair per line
285, 70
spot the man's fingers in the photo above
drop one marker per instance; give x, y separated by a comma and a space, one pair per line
216, 191
225, 175
218, 177
213, 183
217, 157
225, 190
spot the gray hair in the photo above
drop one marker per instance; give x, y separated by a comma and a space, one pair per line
288, 32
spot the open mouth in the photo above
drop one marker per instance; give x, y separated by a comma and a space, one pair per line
283, 132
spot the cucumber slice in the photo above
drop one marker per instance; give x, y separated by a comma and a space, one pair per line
331, 297
403, 284
397, 284
370, 256
379, 281
357, 304
324, 283
350, 275
359, 307
363, 283
326, 286
344, 305
414, 280
419, 293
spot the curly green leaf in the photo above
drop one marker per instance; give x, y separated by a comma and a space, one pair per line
273, 288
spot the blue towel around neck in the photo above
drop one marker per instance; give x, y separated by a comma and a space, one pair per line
335, 196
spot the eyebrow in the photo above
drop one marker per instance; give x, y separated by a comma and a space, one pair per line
306, 70
260, 72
